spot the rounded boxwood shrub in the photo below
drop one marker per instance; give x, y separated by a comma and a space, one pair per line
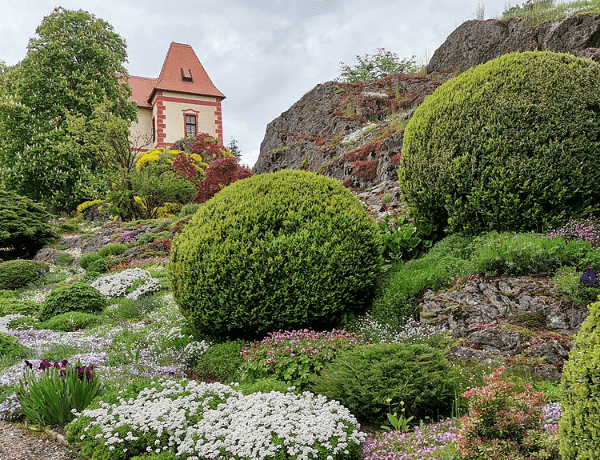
372, 380
75, 297
512, 144
16, 274
286, 250
579, 425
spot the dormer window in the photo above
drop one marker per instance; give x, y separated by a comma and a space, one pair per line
185, 77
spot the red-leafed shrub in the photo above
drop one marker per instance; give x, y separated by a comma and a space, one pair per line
221, 173
209, 148
184, 167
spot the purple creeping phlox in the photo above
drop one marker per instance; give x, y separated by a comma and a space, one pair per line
293, 356
427, 442
128, 237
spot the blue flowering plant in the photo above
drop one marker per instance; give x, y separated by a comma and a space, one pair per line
589, 278
50, 396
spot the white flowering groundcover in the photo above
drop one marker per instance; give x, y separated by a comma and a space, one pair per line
121, 284
195, 420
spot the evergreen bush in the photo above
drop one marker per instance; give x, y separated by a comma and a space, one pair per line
16, 274
289, 250
579, 426
372, 380
75, 297
112, 249
87, 259
24, 226
512, 144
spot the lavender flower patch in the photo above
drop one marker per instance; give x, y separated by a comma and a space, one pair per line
121, 284
429, 442
550, 416
10, 409
198, 420
43, 339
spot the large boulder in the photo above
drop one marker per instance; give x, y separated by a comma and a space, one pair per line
476, 42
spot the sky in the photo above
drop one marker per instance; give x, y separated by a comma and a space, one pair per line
263, 55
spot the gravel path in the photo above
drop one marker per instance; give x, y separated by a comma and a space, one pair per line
19, 444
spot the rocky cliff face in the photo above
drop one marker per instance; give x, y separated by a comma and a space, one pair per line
475, 42
349, 131
354, 131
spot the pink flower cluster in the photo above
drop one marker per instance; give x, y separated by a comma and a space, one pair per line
588, 230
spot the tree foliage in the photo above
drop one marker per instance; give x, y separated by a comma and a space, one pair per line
222, 172
70, 76
378, 65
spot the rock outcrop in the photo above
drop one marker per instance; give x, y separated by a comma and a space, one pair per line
348, 131
514, 320
475, 42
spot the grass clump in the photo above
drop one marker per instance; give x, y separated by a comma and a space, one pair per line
535, 12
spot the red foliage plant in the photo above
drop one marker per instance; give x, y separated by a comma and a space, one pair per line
208, 147
184, 167
221, 173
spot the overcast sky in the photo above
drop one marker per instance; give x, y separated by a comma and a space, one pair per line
262, 54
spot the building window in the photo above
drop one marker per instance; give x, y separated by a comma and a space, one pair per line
184, 77
153, 129
190, 125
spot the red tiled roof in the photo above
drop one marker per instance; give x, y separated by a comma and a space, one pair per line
179, 57
141, 88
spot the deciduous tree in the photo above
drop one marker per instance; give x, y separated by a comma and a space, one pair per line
73, 67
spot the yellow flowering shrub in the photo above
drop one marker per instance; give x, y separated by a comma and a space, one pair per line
87, 204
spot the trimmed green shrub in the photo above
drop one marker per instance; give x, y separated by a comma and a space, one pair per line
72, 321
24, 226
512, 144
16, 306
372, 380
289, 250
11, 349
579, 426
87, 259
16, 274
75, 297
112, 249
